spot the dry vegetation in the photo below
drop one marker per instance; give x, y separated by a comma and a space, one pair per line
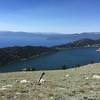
72, 84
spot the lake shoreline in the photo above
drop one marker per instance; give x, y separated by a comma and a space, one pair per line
62, 59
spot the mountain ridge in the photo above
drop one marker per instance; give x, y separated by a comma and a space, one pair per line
81, 43
8, 38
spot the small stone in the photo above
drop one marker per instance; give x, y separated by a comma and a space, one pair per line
87, 78
3, 89
96, 76
17, 93
7, 86
42, 81
51, 98
24, 81
67, 75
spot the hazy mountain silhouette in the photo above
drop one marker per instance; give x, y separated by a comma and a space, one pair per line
8, 38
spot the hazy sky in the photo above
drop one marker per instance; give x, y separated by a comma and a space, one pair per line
65, 16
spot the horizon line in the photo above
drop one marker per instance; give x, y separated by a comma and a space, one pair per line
50, 32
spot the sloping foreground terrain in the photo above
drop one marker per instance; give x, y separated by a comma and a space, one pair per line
72, 84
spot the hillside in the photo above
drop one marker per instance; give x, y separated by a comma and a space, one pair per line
81, 43
14, 54
72, 84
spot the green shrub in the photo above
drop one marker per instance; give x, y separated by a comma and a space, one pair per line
64, 67
92, 62
78, 65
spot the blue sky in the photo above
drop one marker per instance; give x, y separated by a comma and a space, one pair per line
62, 16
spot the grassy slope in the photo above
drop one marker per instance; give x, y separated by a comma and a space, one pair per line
79, 85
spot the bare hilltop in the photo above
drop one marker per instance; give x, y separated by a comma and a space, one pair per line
81, 83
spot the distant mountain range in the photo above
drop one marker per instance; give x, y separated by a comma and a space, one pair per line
8, 38
74, 36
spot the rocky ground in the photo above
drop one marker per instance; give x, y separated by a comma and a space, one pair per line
71, 84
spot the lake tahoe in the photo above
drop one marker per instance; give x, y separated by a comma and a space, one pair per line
30, 39
69, 57
49, 50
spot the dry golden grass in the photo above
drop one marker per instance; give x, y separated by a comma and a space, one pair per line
69, 84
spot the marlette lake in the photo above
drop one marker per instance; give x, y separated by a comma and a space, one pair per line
69, 57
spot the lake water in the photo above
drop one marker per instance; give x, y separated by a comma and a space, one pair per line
9, 41
68, 57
